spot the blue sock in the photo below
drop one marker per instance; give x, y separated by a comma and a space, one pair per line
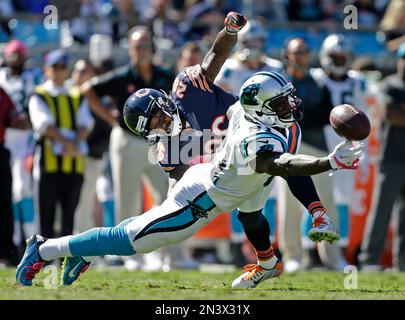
102, 241
108, 213
269, 211
27, 209
344, 223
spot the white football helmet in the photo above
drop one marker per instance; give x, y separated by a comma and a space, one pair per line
251, 41
267, 98
336, 44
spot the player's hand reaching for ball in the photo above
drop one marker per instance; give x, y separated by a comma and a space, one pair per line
346, 155
234, 22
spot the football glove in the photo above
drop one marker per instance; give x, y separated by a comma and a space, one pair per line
346, 156
234, 22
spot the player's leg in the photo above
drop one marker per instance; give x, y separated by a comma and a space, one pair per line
187, 209
257, 230
179, 217
238, 233
163, 225
94, 242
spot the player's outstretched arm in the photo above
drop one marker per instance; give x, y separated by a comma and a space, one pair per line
223, 44
345, 156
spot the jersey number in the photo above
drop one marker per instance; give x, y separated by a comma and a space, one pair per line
179, 87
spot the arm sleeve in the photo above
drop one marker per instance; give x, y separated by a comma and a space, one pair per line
303, 189
40, 115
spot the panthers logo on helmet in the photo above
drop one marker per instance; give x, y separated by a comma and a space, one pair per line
249, 94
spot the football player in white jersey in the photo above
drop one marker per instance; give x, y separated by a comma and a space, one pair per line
345, 86
248, 59
262, 133
20, 82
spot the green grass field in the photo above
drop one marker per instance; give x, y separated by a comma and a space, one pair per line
182, 285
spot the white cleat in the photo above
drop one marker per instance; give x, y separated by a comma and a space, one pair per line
255, 274
323, 229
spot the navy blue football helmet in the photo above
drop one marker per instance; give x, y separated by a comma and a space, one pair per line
143, 104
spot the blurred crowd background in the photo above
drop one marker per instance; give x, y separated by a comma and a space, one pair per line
92, 38
176, 22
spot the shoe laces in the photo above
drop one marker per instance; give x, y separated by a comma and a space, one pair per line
252, 270
34, 269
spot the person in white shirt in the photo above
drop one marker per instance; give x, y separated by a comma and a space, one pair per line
61, 123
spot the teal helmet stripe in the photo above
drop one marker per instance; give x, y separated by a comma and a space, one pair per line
276, 76
279, 77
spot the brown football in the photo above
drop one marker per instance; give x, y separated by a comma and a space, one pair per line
349, 122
